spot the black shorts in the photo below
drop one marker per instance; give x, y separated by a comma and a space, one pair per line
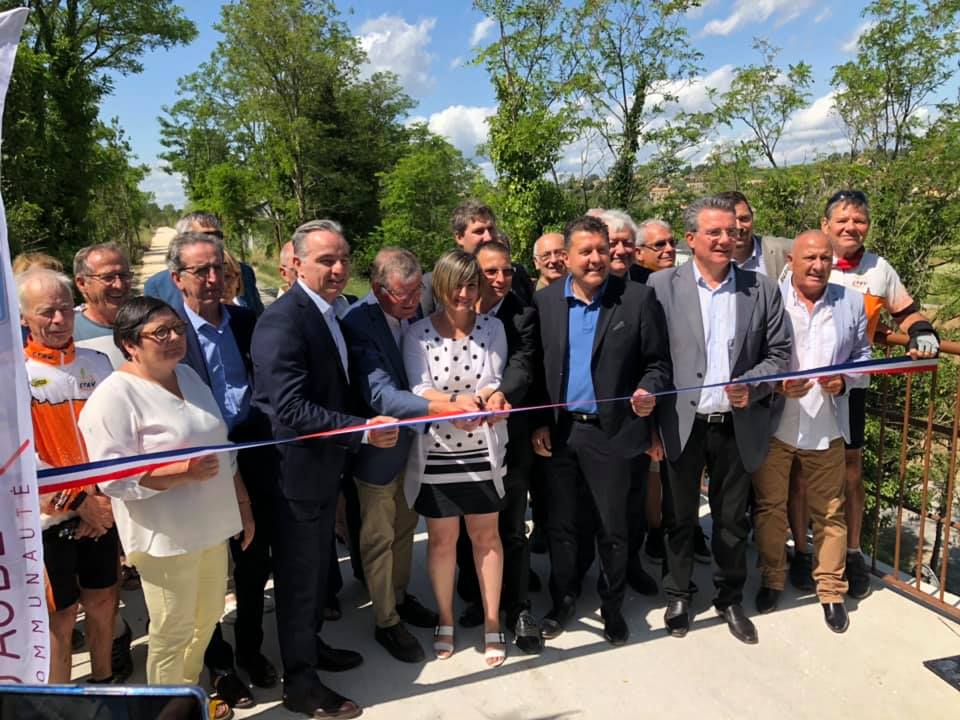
858, 418
87, 563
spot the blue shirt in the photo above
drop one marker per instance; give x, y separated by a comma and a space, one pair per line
718, 312
581, 330
228, 375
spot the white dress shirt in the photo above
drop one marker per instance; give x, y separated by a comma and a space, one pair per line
755, 262
810, 422
333, 325
718, 312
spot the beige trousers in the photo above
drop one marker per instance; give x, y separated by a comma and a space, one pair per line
822, 471
185, 597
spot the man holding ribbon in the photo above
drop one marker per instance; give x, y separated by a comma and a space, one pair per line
829, 327
725, 324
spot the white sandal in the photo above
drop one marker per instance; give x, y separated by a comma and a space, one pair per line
492, 653
443, 646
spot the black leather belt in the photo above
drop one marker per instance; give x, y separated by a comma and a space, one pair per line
590, 418
715, 418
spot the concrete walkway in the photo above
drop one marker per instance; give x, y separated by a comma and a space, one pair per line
155, 258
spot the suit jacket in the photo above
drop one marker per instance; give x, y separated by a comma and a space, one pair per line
522, 288
377, 373
775, 251
761, 346
630, 351
301, 385
519, 376
852, 345
638, 273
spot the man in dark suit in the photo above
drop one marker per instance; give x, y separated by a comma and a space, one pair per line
602, 337
519, 323
218, 349
474, 224
301, 382
724, 324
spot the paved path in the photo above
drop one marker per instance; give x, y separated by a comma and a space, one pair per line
155, 259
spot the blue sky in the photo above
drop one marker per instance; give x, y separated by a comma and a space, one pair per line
428, 43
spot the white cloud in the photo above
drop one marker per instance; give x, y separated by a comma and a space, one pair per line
697, 11
456, 62
746, 12
692, 95
393, 44
480, 31
166, 188
852, 43
464, 126
825, 15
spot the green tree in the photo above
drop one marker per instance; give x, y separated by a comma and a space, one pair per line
68, 53
905, 56
763, 98
419, 194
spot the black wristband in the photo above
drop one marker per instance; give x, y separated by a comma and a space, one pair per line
78, 500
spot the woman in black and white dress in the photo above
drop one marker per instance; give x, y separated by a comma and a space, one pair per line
456, 468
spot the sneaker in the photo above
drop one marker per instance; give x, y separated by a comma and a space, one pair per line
653, 548
801, 572
701, 551
858, 576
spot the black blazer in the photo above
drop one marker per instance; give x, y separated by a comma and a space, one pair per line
520, 324
630, 351
300, 384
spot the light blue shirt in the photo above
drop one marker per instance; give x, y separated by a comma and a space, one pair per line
228, 375
329, 313
755, 262
581, 330
718, 312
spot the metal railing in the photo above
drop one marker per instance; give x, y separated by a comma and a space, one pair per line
911, 530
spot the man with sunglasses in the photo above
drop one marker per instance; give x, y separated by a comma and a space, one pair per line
765, 254
160, 285
657, 249
218, 349
846, 222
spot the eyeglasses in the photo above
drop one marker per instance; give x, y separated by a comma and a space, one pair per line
48, 313
111, 278
213, 233
402, 297
493, 272
543, 257
660, 245
162, 333
203, 271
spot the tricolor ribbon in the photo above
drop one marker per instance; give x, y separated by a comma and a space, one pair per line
62, 478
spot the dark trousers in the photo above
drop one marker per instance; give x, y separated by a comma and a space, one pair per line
302, 556
584, 458
251, 567
516, 553
349, 490
714, 447
538, 492
637, 507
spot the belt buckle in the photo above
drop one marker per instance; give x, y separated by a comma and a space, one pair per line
716, 418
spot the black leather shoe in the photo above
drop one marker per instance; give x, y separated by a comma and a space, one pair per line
398, 641
533, 582
322, 704
413, 613
801, 572
331, 609
555, 621
677, 617
858, 576
232, 690
835, 615
767, 600
615, 628
472, 616
740, 626
261, 671
527, 633
336, 660
639, 580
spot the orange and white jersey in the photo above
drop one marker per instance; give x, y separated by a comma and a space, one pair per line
881, 287
60, 383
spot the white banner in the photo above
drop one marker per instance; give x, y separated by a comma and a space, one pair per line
24, 642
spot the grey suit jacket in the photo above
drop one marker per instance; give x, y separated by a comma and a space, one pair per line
775, 251
762, 346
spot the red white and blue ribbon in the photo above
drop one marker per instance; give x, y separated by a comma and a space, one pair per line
60, 478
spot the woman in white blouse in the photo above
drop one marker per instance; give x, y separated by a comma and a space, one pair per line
456, 468
174, 521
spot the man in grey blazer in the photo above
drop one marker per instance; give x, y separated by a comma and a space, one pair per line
724, 324
373, 328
